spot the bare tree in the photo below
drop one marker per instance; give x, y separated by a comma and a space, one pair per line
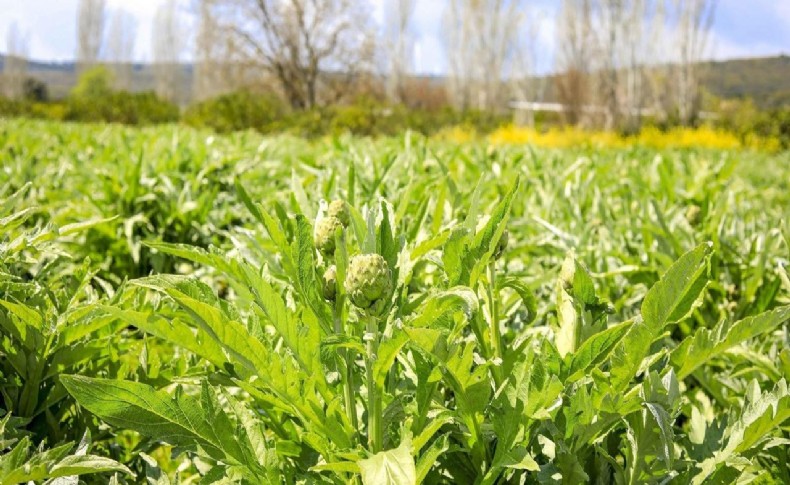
636, 54
607, 21
458, 28
620, 28
574, 57
399, 44
693, 20
220, 65
168, 46
90, 31
656, 73
206, 80
525, 85
622, 59
314, 50
120, 47
15, 67
482, 39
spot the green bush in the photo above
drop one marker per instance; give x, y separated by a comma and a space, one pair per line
121, 107
743, 118
36, 90
240, 110
93, 100
13, 108
364, 116
55, 111
95, 83
368, 117
775, 124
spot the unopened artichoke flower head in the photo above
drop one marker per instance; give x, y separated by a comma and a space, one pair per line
325, 234
501, 244
330, 283
369, 282
339, 209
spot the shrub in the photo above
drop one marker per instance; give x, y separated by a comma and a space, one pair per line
12, 108
775, 124
93, 83
48, 111
93, 100
240, 110
121, 107
35, 90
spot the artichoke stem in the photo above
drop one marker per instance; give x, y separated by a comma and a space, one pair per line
496, 334
348, 362
375, 432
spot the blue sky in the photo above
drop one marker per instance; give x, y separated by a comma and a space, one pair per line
742, 28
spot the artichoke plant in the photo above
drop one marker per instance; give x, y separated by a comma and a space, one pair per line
339, 209
325, 234
501, 245
369, 282
330, 283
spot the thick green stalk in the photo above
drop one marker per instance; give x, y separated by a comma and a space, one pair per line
375, 433
496, 335
348, 369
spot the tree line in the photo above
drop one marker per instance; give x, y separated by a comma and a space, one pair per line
616, 62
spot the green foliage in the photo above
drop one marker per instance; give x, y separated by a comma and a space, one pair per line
162, 289
61, 464
121, 107
94, 83
774, 124
243, 110
35, 90
237, 111
11, 108
763, 79
93, 99
743, 118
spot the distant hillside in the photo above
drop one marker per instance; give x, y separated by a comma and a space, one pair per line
60, 77
765, 80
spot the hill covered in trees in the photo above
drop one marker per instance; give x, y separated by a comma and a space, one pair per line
764, 80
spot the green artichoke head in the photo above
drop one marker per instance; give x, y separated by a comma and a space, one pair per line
694, 214
339, 208
501, 245
325, 234
330, 283
369, 282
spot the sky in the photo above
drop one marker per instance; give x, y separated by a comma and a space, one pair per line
742, 28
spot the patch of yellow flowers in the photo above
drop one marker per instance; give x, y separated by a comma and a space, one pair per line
567, 137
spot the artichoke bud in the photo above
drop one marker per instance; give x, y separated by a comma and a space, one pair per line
567, 274
694, 214
369, 283
501, 245
339, 209
330, 283
325, 234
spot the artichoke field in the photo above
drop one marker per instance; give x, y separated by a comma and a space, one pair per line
189, 308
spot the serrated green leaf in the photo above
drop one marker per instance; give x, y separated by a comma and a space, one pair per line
707, 344
595, 350
179, 419
667, 301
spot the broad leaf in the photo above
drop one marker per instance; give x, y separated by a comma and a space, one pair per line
707, 344
391, 467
